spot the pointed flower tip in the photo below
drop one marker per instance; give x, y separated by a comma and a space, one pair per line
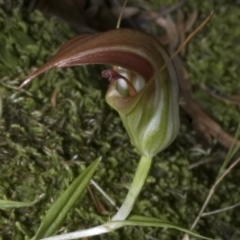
27, 80
23, 84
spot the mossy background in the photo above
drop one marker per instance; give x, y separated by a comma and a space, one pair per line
42, 149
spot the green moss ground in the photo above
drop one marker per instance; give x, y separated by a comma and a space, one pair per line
42, 149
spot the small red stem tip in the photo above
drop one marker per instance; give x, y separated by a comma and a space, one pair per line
114, 76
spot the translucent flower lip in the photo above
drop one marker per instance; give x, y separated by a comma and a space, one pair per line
130, 49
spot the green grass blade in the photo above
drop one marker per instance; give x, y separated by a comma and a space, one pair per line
231, 152
58, 211
12, 204
131, 221
154, 222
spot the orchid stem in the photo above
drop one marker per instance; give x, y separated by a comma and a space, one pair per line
135, 188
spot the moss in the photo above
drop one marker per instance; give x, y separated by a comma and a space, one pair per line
42, 148
213, 60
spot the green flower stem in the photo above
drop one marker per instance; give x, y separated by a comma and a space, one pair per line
136, 187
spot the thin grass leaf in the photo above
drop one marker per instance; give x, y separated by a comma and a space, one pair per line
231, 152
58, 211
114, 225
154, 222
12, 204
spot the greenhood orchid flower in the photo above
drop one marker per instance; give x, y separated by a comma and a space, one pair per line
145, 98
143, 90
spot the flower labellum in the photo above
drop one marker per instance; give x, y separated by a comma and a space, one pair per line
145, 97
